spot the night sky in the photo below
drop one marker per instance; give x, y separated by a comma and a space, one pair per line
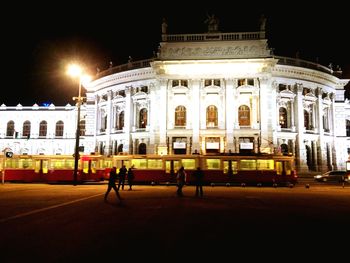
38, 41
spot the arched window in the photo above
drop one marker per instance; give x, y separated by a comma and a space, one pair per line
82, 128
120, 120
244, 115
103, 121
325, 120
347, 128
283, 118
10, 128
307, 123
43, 129
212, 116
26, 129
143, 118
59, 129
180, 116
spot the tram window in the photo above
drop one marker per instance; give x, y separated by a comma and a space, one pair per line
234, 166
69, 164
213, 164
127, 163
56, 164
11, 163
248, 164
139, 163
155, 164
265, 164
25, 163
104, 163
189, 163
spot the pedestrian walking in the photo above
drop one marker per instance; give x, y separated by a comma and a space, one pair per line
111, 184
122, 175
198, 181
180, 180
131, 177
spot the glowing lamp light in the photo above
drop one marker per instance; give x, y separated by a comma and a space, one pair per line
74, 70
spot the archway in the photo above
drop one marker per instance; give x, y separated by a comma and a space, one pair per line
142, 148
284, 148
308, 157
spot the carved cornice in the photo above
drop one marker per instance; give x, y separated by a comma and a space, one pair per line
287, 94
304, 74
122, 77
120, 106
215, 50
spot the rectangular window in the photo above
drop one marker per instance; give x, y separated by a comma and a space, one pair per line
139, 163
265, 164
189, 163
216, 82
248, 164
250, 82
184, 83
207, 82
175, 83
155, 164
213, 164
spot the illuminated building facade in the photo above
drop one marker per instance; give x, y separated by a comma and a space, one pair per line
212, 93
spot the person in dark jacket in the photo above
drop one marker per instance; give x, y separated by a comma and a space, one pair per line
111, 184
131, 177
198, 181
122, 175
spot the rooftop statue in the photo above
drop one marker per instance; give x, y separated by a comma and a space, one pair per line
164, 26
262, 22
213, 23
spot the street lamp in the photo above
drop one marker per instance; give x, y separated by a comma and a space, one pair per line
76, 71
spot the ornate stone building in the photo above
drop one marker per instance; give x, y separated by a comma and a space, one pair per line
209, 93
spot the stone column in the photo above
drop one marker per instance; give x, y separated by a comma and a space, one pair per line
108, 146
163, 113
300, 154
128, 118
230, 111
195, 115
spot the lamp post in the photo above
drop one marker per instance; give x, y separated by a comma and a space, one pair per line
76, 71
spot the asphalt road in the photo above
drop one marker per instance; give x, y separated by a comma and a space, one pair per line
64, 223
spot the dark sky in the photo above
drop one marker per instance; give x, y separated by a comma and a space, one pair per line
39, 40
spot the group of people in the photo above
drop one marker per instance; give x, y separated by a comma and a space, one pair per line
123, 172
180, 180
198, 181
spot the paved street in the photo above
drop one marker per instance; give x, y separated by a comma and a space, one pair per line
64, 223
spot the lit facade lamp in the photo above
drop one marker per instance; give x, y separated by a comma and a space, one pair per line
77, 72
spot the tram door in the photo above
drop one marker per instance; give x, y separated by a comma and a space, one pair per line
171, 167
283, 167
41, 167
89, 168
